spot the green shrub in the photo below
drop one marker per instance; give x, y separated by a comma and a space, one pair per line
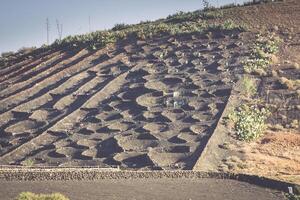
249, 121
260, 57
119, 27
32, 196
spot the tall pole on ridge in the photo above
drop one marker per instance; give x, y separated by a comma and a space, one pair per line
89, 23
48, 29
59, 29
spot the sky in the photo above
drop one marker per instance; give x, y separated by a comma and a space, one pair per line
23, 22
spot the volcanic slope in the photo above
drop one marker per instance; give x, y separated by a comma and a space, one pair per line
139, 104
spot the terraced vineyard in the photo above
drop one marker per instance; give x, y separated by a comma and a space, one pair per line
143, 104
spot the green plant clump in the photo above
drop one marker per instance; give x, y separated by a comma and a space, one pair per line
260, 57
228, 25
32, 196
268, 44
120, 26
293, 197
249, 121
28, 162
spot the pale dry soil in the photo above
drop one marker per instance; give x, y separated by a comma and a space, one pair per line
276, 155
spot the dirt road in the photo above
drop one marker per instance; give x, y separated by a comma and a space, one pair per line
212, 189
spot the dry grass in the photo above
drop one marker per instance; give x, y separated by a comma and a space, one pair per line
32, 196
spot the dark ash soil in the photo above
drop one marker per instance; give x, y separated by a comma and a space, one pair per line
144, 189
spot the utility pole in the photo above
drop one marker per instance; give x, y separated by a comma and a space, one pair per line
89, 23
48, 29
59, 29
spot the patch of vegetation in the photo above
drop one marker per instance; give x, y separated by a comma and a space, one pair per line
194, 16
294, 124
184, 16
100, 39
261, 55
7, 54
26, 50
268, 45
227, 25
22, 51
28, 162
293, 197
248, 86
249, 121
32, 196
120, 26
212, 14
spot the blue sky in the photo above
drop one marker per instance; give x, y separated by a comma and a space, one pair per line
23, 22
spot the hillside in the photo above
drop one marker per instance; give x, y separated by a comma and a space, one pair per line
150, 96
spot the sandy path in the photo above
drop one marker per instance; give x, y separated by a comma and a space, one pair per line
144, 189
